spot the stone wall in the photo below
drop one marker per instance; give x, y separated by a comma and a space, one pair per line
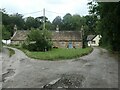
59, 44
17, 42
64, 44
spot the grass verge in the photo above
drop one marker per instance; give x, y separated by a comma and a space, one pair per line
11, 52
57, 54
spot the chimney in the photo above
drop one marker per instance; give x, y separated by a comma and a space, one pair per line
57, 28
15, 28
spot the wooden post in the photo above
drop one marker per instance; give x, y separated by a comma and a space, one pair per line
82, 30
44, 19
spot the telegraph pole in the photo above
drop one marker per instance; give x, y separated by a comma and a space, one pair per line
83, 40
44, 19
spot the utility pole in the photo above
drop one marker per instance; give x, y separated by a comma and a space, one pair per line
44, 19
83, 39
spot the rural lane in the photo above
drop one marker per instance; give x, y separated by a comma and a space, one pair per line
96, 70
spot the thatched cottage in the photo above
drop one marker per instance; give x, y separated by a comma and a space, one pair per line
93, 40
19, 36
68, 39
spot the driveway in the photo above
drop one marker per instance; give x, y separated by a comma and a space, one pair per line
96, 70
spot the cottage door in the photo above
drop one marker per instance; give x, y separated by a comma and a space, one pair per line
70, 45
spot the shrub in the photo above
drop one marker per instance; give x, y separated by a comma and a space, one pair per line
38, 40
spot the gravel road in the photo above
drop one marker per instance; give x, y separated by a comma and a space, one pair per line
96, 70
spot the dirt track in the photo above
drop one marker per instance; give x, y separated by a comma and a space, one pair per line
96, 70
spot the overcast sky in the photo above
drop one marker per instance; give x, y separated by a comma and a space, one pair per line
61, 7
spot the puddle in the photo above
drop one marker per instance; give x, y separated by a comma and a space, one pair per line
22, 60
10, 72
88, 64
66, 81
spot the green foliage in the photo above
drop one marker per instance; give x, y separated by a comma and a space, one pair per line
5, 34
69, 22
49, 26
60, 53
57, 21
16, 19
109, 23
0, 37
91, 24
10, 20
31, 22
39, 40
11, 52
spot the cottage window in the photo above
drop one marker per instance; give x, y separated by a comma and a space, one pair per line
77, 44
93, 42
63, 43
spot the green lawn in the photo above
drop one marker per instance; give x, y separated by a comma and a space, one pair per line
57, 54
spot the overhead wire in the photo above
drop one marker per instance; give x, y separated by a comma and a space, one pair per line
53, 12
42, 11
32, 12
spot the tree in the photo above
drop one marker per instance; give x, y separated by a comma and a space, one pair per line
30, 22
0, 35
49, 26
109, 23
17, 19
41, 19
37, 23
5, 34
73, 23
10, 20
91, 22
57, 21
67, 22
77, 22
39, 40
6, 21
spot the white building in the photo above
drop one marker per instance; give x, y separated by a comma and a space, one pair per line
93, 40
6, 41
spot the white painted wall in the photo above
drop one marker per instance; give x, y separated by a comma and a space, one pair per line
95, 41
6, 41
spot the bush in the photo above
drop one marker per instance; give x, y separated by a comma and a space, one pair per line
38, 40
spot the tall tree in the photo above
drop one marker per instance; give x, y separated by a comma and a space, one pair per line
77, 22
91, 21
57, 21
30, 23
49, 26
67, 22
10, 20
5, 34
109, 22
17, 19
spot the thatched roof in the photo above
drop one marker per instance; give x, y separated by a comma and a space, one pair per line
66, 35
90, 37
20, 35
61, 35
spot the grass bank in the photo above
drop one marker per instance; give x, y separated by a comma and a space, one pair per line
57, 54
11, 52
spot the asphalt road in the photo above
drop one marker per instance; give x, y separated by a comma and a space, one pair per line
96, 70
